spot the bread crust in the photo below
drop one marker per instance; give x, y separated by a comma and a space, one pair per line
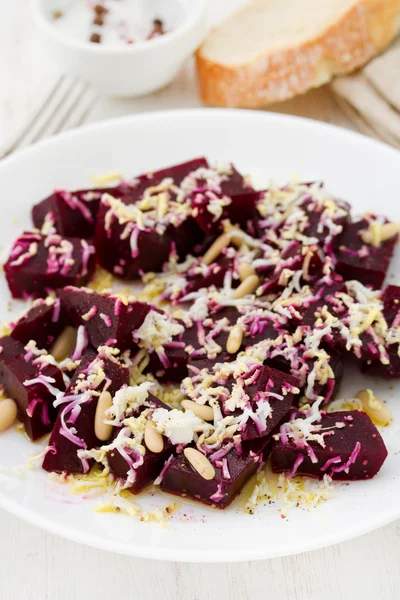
360, 33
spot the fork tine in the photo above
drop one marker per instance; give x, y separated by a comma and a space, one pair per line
66, 108
16, 139
50, 111
75, 111
78, 116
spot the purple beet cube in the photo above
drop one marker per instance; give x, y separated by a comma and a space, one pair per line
237, 207
127, 248
128, 256
43, 323
39, 263
221, 193
266, 394
185, 237
200, 345
105, 316
201, 276
391, 312
74, 213
232, 470
174, 368
32, 383
323, 295
330, 389
390, 370
293, 258
74, 427
356, 259
177, 173
349, 448
316, 215
391, 305
319, 215
152, 464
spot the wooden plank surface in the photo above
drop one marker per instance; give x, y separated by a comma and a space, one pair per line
37, 565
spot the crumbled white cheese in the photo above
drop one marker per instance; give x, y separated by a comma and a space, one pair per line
156, 331
127, 400
180, 427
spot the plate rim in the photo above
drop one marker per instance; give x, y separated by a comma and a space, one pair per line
131, 548
223, 113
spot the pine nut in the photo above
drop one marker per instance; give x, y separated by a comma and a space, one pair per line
8, 413
245, 270
234, 340
200, 463
102, 430
64, 344
200, 410
235, 240
374, 407
153, 438
247, 286
215, 249
389, 230
382, 233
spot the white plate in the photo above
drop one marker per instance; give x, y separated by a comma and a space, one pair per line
358, 169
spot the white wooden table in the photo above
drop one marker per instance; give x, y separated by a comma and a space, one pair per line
36, 565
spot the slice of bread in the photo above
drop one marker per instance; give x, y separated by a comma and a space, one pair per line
272, 50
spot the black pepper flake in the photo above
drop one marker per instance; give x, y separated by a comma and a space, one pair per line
98, 20
100, 10
158, 29
95, 38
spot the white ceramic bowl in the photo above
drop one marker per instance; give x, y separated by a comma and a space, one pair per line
129, 70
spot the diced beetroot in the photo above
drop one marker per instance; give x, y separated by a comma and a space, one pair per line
39, 263
18, 367
200, 276
354, 449
385, 371
105, 316
185, 237
361, 261
323, 295
219, 193
237, 207
74, 427
199, 345
391, 312
257, 327
152, 464
74, 213
391, 305
240, 212
270, 396
43, 323
177, 359
315, 213
181, 479
330, 389
234, 184
293, 258
176, 172
124, 257
127, 250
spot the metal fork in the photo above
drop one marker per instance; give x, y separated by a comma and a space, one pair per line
66, 105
